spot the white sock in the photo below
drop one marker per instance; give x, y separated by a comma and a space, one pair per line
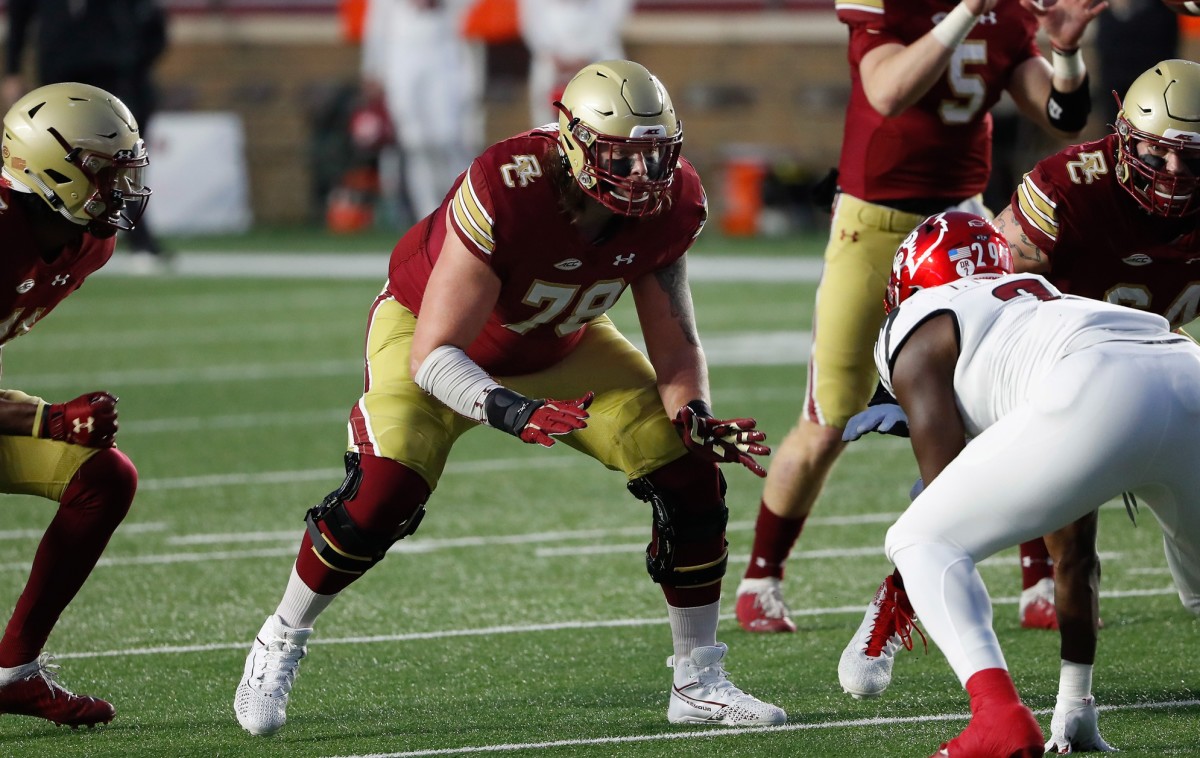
693, 627
10, 675
300, 606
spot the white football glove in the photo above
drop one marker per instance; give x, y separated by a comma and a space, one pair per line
1074, 727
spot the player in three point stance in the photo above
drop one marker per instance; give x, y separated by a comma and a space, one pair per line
73, 165
974, 351
1117, 219
499, 297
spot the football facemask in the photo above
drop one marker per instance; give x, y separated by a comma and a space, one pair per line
944, 248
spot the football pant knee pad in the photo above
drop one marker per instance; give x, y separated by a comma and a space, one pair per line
342, 546
680, 522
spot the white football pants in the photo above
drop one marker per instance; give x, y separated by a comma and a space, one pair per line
1114, 417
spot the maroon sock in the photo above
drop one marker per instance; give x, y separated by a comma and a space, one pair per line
1036, 563
92, 506
774, 537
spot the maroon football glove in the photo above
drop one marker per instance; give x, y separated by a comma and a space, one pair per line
89, 420
535, 421
732, 441
556, 417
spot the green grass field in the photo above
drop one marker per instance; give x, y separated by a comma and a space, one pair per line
519, 619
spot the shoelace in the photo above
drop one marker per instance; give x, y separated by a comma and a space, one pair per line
715, 678
899, 623
47, 669
771, 603
1131, 506
279, 664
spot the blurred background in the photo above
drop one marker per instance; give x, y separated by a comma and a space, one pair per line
265, 117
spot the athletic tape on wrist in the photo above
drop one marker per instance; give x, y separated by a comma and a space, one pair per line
1068, 66
450, 376
955, 27
1074, 679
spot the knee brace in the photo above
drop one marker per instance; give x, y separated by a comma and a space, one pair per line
684, 518
343, 546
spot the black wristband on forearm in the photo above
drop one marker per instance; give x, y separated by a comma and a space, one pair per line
509, 411
881, 397
1068, 111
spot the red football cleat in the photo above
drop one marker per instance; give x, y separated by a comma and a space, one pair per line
1001, 726
1006, 733
36, 692
760, 607
1037, 606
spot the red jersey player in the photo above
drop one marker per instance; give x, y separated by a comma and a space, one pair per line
917, 140
73, 165
496, 302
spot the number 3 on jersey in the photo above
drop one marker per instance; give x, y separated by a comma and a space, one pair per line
555, 300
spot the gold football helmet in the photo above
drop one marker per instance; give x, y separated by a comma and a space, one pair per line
620, 135
1162, 109
79, 149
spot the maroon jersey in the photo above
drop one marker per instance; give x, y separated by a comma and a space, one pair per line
29, 286
1099, 241
940, 147
505, 209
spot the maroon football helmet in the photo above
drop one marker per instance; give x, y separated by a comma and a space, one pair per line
944, 248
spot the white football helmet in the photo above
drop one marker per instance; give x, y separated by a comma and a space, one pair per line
79, 149
620, 135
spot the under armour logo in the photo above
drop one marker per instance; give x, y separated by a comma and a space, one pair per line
88, 426
853, 236
988, 18
60, 279
623, 259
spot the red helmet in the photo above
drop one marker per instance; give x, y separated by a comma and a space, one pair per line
944, 248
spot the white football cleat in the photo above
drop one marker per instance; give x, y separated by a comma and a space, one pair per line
703, 694
271, 669
865, 669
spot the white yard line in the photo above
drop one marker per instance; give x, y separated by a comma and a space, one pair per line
489, 631
872, 723
701, 267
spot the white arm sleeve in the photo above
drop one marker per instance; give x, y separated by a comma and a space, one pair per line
450, 376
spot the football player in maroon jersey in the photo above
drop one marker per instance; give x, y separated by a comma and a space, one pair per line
72, 176
1114, 219
917, 140
495, 305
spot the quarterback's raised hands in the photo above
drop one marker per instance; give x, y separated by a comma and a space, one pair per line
89, 420
721, 441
